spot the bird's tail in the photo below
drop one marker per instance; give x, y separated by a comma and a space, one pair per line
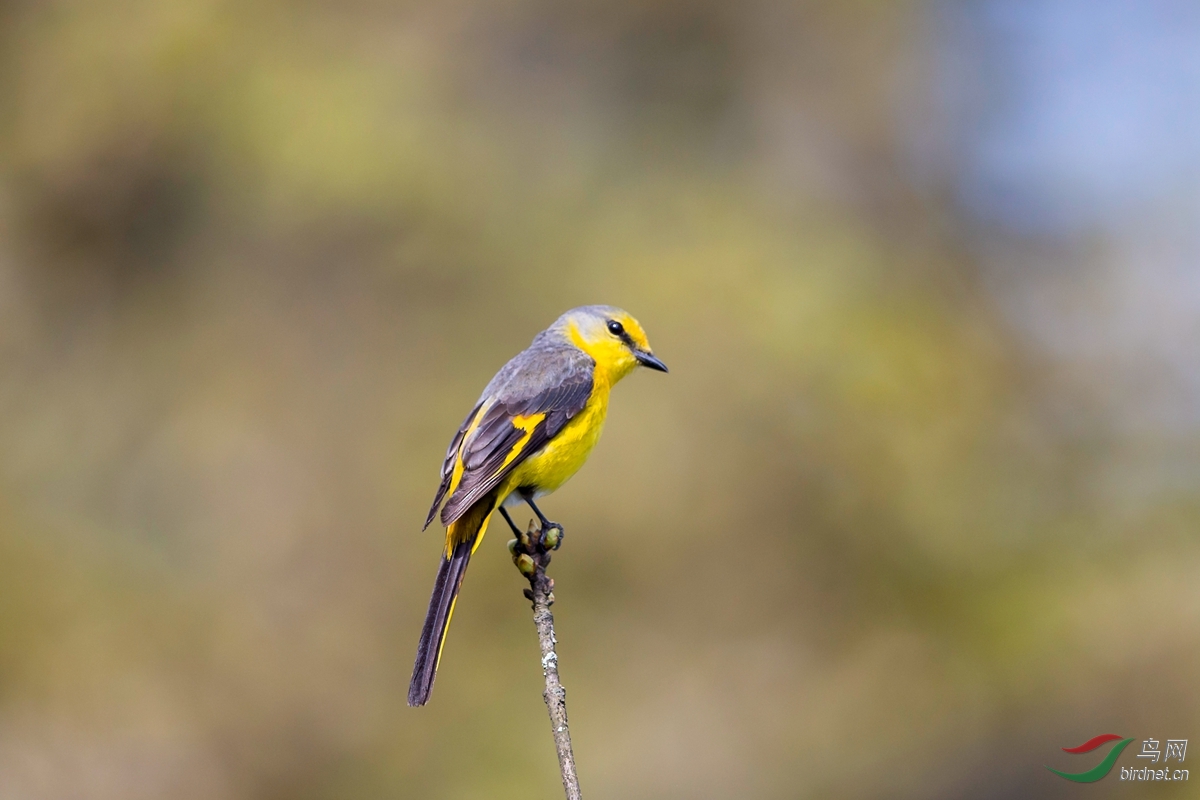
462, 538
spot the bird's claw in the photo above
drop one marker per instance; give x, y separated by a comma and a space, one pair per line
530, 551
551, 536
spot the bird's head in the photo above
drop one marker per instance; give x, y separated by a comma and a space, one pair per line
613, 338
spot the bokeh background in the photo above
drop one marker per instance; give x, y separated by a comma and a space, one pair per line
916, 507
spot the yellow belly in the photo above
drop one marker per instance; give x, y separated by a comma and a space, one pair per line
563, 455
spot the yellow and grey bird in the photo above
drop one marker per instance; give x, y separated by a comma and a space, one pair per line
532, 429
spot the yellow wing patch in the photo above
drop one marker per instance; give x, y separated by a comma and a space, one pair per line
527, 423
456, 476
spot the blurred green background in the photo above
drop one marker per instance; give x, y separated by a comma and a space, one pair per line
916, 507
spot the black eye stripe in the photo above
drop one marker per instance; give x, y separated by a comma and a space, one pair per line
618, 330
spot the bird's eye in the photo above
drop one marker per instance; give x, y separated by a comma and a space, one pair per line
615, 328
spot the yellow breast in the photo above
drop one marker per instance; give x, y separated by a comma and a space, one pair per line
563, 455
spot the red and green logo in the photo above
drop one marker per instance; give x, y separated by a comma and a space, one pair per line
1100, 770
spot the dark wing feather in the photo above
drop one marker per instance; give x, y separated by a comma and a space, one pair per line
448, 464
555, 383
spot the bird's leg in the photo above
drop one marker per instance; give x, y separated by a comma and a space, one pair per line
504, 513
551, 541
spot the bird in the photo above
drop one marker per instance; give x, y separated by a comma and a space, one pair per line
533, 427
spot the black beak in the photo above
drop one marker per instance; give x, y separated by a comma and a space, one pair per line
648, 360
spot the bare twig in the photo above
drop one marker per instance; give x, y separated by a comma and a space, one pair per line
531, 554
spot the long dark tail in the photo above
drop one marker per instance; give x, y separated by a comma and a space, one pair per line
465, 533
437, 620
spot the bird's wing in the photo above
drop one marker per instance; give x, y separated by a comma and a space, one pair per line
451, 460
524, 407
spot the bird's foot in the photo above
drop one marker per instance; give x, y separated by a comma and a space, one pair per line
551, 536
531, 554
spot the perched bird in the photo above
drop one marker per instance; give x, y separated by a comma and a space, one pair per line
532, 429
